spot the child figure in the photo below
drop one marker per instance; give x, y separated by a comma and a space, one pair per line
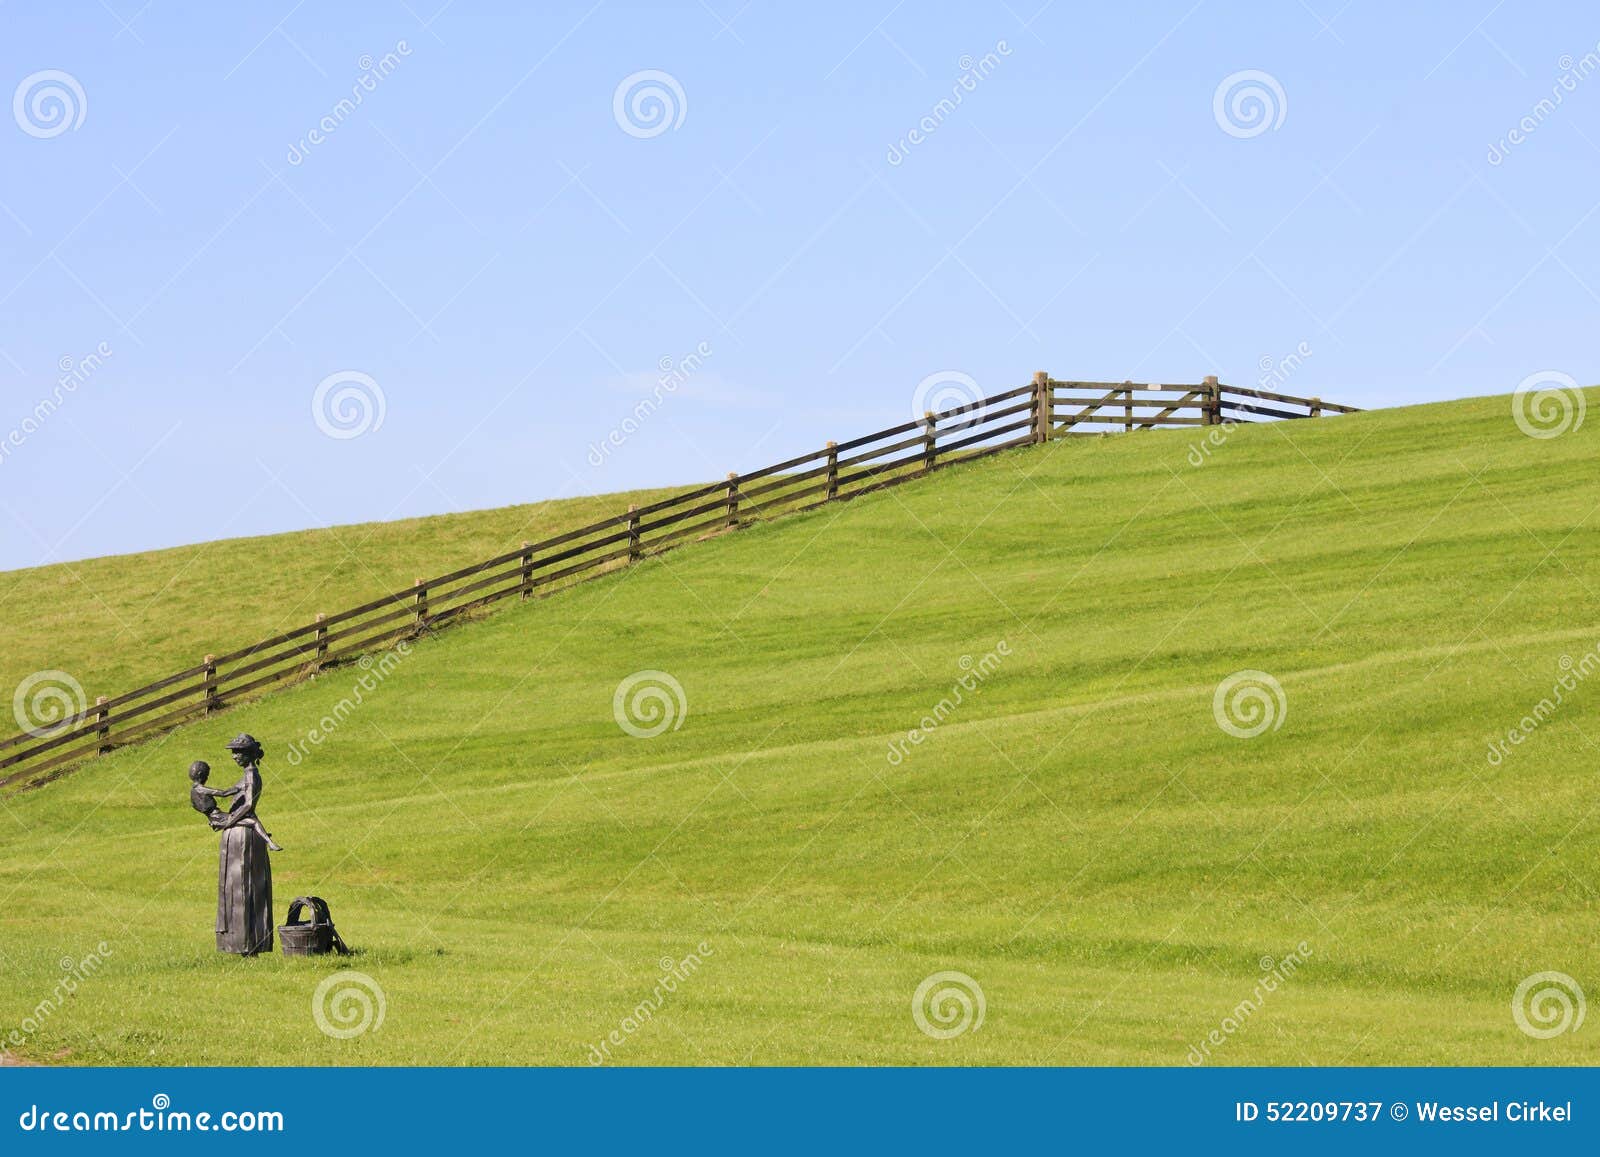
204, 800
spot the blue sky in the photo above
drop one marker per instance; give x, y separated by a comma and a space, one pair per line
507, 260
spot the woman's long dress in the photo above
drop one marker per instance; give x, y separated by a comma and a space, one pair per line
244, 893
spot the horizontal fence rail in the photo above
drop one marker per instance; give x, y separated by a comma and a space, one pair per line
1043, 410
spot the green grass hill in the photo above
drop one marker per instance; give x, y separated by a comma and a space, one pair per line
968, 725
116, 623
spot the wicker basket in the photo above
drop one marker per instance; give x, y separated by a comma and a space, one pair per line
316, 938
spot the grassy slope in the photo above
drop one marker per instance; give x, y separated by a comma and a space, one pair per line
116, 623
1080, 836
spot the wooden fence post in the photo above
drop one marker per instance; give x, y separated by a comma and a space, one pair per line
322, 642
103, 730
1041, 406
1316, 407
633, 532
422, 603
210, 684
527, 570
733, 500
833, 472
929, 441
1127, 407
1213, 402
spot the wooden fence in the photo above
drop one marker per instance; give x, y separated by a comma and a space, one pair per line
1034, 413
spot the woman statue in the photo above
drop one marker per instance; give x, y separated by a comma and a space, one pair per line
244, 871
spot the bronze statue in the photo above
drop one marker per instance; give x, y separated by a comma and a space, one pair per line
244, 870
204, 800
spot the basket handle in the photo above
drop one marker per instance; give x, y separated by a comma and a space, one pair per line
318, 906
